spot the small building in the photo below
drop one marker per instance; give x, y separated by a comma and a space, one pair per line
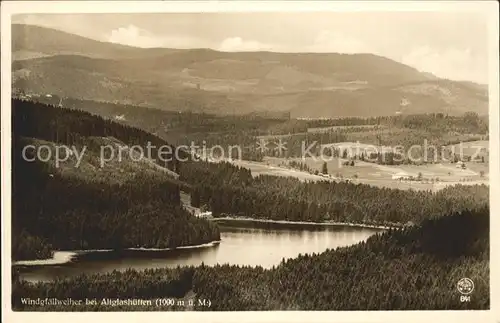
205, 215
400, 176
460, 164
409, 224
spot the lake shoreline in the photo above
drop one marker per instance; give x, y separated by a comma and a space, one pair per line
358, 225
61, 257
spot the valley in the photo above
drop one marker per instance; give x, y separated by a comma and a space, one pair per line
292, 181
203, 80
434, 176
355, 137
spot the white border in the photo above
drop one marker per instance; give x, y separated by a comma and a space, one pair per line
490, 8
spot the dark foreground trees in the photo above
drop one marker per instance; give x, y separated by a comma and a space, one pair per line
415, 268
67, 208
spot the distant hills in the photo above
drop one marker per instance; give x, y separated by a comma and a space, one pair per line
47, 61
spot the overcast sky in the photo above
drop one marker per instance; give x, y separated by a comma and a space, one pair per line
450, 45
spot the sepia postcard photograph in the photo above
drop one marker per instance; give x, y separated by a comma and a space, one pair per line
250, 161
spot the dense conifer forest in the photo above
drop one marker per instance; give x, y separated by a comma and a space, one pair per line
436, 130
435, 238
231, 191
53, 210
70, 127
185, 128
414, 268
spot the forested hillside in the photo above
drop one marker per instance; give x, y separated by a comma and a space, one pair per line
442, 236
128, 159
139, 191
48, 61
121, 205
415, 268
69, 127
231, 191
435, 129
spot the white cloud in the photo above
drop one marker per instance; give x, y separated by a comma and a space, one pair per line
336, 42
446, 54
451, 63
326, 41
134, 36
237, 44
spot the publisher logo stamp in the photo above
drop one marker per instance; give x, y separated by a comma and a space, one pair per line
465, 286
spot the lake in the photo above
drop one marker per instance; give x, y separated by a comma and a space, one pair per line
242, 243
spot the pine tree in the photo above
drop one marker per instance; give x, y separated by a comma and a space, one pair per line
324, 169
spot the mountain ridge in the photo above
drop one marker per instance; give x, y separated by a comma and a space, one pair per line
206, 80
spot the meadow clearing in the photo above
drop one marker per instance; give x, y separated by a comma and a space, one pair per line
371, 173
333, 128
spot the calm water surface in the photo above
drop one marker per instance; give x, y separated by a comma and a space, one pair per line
241, 244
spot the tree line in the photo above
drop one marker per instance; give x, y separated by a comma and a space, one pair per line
469, 122
413, 268
435, 130
54, 209
201, 128
230, 190
74, 127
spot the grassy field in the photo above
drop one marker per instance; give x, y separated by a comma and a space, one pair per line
373, 174
356, 148
355, 129
268, 168
332, 128
477, 148
268, 137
